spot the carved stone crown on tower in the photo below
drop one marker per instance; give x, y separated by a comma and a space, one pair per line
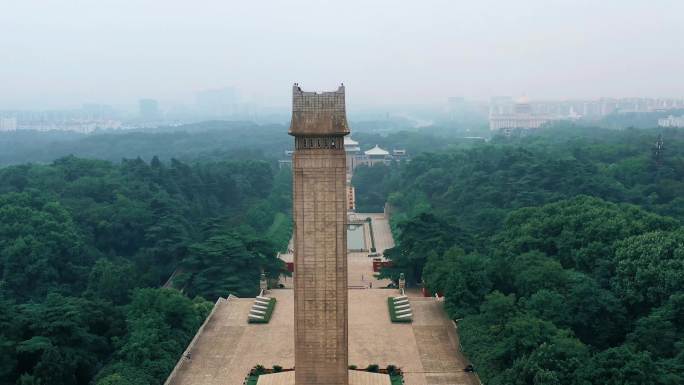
318, 114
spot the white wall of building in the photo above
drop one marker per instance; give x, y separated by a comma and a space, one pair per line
8, 124
672, 121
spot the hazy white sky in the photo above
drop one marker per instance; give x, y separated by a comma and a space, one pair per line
56, 53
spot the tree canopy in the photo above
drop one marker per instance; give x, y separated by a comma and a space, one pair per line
561, 254
86, 246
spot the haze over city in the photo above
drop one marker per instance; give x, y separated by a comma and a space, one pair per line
59, 54
387, 192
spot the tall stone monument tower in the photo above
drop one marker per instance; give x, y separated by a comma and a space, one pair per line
319, 123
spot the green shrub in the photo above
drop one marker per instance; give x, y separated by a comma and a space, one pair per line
258, 370
397, 379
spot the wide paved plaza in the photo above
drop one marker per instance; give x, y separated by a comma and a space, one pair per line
228, 347
426, 350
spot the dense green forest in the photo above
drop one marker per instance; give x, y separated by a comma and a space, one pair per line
560, 254
216, 140
209, 141
205, 141
86, 247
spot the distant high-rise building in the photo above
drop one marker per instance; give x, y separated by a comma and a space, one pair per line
456, 107
97, 111
499, 105
148, 109
591, 109
8, 124
218, 102
522, 117
522, 106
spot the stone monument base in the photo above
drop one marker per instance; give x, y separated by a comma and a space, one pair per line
356, 377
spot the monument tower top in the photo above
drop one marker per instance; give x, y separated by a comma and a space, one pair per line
318, 114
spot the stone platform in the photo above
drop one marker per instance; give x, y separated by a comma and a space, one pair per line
426, 350
355, 378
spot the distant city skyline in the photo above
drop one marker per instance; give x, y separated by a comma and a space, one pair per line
503, 112
208, 107
63, 54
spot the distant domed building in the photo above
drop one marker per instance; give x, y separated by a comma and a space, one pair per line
376, 152
375, 156
371, 157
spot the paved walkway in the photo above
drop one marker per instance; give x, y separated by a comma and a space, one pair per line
229, 347
360, 272
360, 267
381, 231
426, 350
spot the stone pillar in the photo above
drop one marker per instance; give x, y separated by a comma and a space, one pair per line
320, 237
402, 283
263, 283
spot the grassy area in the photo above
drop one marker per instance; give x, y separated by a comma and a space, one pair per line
393, 314
252, 380
267, 317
